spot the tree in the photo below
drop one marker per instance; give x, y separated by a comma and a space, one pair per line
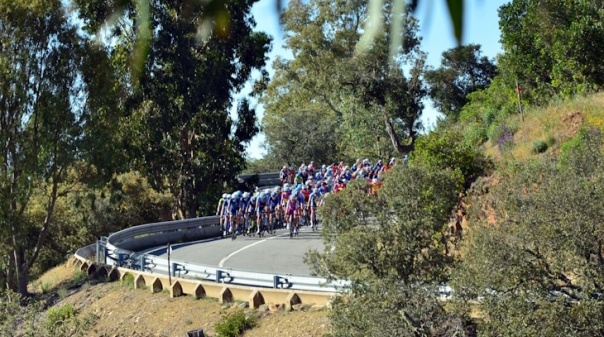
45, 122
179, 131
539, 269
302, 135
462, 72
368, 94
393, 248
552, 47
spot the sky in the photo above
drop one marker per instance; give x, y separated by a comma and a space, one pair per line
481, 26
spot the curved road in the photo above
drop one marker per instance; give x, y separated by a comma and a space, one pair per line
273, 253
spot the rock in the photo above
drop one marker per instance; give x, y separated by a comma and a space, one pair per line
297, 307
316, 307
244, 305
273, 307
263, 308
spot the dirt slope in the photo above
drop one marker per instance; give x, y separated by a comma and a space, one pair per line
118, 310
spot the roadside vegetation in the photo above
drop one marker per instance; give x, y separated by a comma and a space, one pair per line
494, 228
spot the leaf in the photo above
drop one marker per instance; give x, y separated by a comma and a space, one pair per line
456, 14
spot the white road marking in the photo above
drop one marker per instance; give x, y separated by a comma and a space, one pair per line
221, 264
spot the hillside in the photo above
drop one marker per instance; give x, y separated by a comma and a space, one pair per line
117, 310
114, 309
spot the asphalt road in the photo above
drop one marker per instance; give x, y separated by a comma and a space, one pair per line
275, 254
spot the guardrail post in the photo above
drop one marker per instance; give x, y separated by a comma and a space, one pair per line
221, 275
98, 251
280, 282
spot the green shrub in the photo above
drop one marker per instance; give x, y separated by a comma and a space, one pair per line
233, 323
475, 134
59, 315
128, 280
539, 146
447, 150
582, 153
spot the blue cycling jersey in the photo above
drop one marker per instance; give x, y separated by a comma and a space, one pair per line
234, 204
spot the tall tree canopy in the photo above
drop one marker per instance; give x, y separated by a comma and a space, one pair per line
462, 71
553, 46
48, 122
368, 94
178, 126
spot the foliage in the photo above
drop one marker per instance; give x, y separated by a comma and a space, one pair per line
302, 134
578, 149
47, 113
393, 247
181, 101
539, 146
89, 212
446, 149
462, 72
539, 269
373, 101
27, 317
233, 323
486, 108
58, 315
552, 47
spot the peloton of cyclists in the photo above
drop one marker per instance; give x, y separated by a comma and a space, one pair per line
296, 200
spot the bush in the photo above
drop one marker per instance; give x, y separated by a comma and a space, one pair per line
582, 153
59, 315
233, 323
539, 146
447, 150
127, 280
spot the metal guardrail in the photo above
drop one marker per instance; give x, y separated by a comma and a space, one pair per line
261, 179
123, 248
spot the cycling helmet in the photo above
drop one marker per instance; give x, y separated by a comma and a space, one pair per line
224, 195
286, 185
274, 194
227, 196
375, 180
284, 167
246, 195
277, 189
315, 190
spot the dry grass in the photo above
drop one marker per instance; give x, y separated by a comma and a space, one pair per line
122, 311
559, 120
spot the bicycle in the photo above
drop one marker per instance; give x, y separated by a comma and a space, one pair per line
313, 220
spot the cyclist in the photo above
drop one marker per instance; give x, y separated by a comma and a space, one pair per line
284, 175
291, 210
245, 200
298, 179
249, 213
313, 200
234, 213
223, 213
261, 203
273, 203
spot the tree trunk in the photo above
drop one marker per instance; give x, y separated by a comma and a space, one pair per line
20, 271
10, 271
400, 148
